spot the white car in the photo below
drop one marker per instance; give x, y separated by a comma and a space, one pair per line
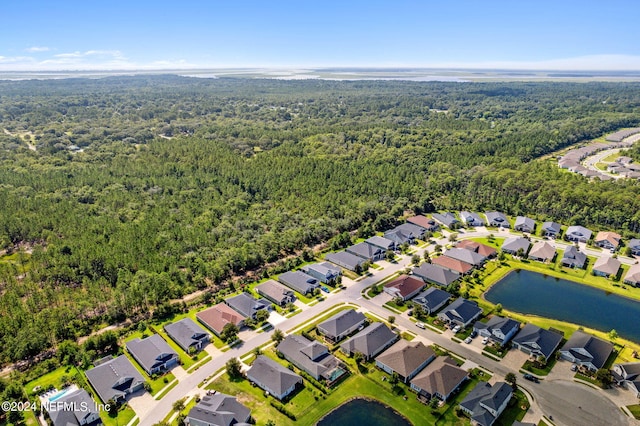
485, 340
468, 340
456, 328
420, 325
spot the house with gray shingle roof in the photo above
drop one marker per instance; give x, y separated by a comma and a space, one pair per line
524, 224
471, 218
468, 256
497, 220
272, 377
403, 235
542, 251
324, 271
218, 410
300, 282
586, 350
276, 292
462, 312
246, 305
152, 353
73, 408
440, 379
381, 242
188, 335
633, 275
577, 233
485, 403
537, 341
366, 251
311, 356
405, 358
512, 244
628, 375
551, 229
341, 324
345, 259
606, 266
447, 219
435, 274
498, 329
634, 245
573, 258
115, 379
432, 299
370, 341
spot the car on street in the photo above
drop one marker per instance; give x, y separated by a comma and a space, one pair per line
531, 378
468, 339
420, 325
485, 340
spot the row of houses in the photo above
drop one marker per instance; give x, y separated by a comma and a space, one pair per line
571, 160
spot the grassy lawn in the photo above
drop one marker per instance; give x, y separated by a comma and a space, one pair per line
588, 379
497, 351
495, 242
530, 366
635, 410
51, 379
395, 307
125, 414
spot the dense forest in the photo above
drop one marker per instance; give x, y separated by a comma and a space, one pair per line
120, 194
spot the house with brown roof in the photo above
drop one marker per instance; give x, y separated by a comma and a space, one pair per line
608, 240
482, 249
440, 379
453, 264
276, 292
606, 266
216, 317
405, 358
424, 222
542, 251
404, 286
633, 275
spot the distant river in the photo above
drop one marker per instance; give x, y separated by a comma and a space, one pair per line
363, 412
532, 293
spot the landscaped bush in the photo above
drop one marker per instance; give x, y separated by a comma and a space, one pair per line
283, 410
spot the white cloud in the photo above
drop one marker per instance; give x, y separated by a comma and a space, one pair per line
35, 49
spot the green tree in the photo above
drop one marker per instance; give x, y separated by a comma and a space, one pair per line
277, 336
613, 335
604, 376
415, 259
234, 368
229, 332
391, 319
511, 379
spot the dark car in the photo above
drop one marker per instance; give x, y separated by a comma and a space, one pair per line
473, 334
531, 378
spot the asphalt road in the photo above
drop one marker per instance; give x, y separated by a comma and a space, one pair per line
569, 403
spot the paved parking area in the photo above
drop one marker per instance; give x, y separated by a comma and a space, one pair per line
514, 359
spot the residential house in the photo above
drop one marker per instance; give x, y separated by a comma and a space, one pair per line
299, 281
485, 403
586, 350
628, 375
524, 224
188, 335
537, 341
633, 275
424, 222
573, 258
272, 377
482, 249
440, 379
247, 306
366, 251
497, 220
341, 324
115, 379
216, 317
276, 292
75, 407
218, 409
324, 271
471, 219
406, 359
404, 286
551, 229
461, 312
432, 299
608, 240
468, 256
370, 341
346, 260
606, 266
514, 245
634, 245
152, 353
542, 251
498, 329
400, 235
578, 233
451, 264
435, 274
447, 219
312, 357
381, 242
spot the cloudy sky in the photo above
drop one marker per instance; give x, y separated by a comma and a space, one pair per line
141, 34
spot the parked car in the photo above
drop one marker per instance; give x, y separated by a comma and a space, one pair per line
468, 340
325, 289
420, 325
485, 340
574, 367
531, 378
456, 328
473, 334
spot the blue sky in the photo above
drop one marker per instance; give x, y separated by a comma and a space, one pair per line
98, 34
